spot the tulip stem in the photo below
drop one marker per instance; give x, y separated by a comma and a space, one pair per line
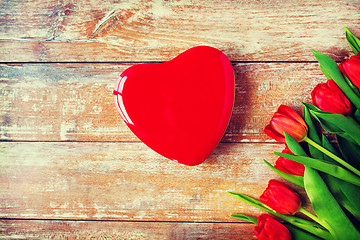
310, 215
333, 156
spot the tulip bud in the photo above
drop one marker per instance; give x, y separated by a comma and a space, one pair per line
289, 166
286, 120
281, 198
268, 228
351, 69
329, 97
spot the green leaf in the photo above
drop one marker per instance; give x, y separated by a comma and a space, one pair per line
293, 145
325, 73
345, 193
253, 202
311, 227
298, 180
311, 108
327, 208
352, 86
297, 234
245, 218
342, 196
351, 194
312, 133
346, 127
333, 156
350, 151
332, 69
324, 166
352, 40
326, 144
357, 115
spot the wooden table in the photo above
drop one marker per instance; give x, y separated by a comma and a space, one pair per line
70, 168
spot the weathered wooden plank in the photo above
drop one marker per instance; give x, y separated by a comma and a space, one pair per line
138, 30
127, 181
73, 102
20, 229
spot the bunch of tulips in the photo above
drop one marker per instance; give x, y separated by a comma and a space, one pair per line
328, 170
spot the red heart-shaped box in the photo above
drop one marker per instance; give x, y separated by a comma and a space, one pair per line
179, 108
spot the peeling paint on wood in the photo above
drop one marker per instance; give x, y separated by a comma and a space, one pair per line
128, 181
65, 154
123, 230
73, 102
144, 30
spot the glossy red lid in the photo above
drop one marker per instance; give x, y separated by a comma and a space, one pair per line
179, 108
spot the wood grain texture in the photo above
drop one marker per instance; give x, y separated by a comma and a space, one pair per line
71, 169
142, 30
73, 102
127, 181
17, 229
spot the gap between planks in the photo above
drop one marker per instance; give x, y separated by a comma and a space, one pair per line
139, 62
119, 221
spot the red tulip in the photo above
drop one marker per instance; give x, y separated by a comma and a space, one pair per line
270, 229
351, 68
281, 198
289, 166
286, 120
329, 97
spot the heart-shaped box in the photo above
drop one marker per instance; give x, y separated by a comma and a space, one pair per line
179, 108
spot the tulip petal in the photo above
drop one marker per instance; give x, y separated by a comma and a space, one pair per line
281, 198
286, 120
289, 166
286, 110
339, 97
329, 97
351, 69
331, 67
306, 225
283, 124
271, 133
269, 228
